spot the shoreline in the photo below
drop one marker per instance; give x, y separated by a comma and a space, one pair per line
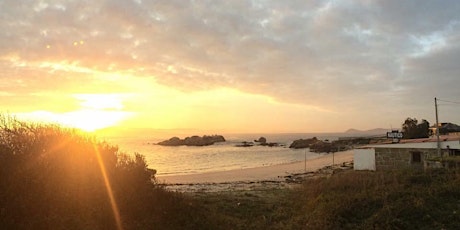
250, 178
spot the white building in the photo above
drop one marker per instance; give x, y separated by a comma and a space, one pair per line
415, 153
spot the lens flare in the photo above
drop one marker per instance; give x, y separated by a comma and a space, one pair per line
113, 203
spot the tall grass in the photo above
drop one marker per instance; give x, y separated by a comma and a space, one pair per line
57, 178
382, 200
347, 200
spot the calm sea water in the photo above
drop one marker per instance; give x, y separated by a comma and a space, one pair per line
224, 156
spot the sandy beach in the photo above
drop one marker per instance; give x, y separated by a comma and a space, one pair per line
266, 173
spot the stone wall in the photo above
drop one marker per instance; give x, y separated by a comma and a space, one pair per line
397, 158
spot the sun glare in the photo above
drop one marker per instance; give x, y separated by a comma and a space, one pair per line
96, 111
91, 120
100, 101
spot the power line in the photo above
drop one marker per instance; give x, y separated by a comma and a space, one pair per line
453, 102
446, 104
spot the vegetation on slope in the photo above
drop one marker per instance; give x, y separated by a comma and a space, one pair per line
55, 178
382, 200
348, 200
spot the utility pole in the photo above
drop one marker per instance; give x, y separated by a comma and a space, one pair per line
305, 165
437, 127
333, 160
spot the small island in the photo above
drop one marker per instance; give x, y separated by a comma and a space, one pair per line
193, 141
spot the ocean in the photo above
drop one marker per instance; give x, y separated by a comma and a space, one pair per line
181, 160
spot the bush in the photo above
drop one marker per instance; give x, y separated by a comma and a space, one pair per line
57, 178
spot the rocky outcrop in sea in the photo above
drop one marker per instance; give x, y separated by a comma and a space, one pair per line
262, 141
303, 143
319, 146
193, 141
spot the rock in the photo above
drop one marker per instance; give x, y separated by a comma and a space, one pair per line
174, 141
245, 144
272, 144
262, 140
193, 141
214, 138
323, 147
303, 143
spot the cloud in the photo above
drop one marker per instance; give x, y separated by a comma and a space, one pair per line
333, 54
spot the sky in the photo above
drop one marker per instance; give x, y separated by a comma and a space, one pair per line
230, 66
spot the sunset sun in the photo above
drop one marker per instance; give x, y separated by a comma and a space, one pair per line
91, 112
92, 120
97, 111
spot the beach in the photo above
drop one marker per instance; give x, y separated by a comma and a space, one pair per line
274, 174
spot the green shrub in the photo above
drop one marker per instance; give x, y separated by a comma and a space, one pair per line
57, 178
53, 178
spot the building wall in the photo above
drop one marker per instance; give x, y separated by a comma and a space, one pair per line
364, 159
397, 158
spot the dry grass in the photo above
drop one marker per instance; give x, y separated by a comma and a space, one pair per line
50, 178
347, 200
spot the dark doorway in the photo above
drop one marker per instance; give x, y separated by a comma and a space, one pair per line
416, 157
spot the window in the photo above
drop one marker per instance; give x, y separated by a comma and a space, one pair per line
416, 157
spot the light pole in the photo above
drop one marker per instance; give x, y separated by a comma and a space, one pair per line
437, 127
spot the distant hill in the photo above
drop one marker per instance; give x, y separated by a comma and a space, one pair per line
370, 132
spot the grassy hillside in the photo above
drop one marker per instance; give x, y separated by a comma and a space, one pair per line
382, 200
55, 178
348, 200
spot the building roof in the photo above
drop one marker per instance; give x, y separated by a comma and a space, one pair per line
431, 139
426, 143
